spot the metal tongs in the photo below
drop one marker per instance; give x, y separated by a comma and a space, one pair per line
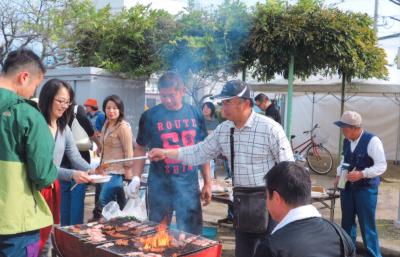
144, 157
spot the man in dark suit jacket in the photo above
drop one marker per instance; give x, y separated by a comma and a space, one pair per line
301, 232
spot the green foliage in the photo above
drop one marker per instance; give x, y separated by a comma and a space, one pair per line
208, 43
127, 42
321, 40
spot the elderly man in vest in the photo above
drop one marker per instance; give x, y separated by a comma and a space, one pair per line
364, 159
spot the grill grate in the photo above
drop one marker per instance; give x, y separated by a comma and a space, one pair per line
184, 244
120, 228
130, 232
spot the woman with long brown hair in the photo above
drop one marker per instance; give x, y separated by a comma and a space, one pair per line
116, 139
55, 100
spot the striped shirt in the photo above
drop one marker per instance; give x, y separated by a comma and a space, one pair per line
258, 146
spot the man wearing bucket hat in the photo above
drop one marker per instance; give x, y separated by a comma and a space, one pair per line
364, 157
258, 143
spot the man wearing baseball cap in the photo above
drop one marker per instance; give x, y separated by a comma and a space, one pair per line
258, 143
97, 118
364, 154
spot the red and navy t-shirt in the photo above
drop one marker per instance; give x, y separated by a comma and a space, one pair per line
163, 128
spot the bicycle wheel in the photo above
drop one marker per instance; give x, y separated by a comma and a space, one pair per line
319, 159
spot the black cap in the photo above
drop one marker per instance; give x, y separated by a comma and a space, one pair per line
234, 88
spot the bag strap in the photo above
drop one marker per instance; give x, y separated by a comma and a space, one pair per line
232, 131
342, 237
75, 110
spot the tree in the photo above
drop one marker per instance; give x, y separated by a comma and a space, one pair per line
43, 25
13, 32
316, 40
205, 48
128, 42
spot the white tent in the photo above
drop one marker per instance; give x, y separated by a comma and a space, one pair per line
317, 100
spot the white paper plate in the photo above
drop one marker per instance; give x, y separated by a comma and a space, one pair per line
100, 178
317, 194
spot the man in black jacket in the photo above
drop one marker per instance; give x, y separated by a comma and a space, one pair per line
263, 102
300, 231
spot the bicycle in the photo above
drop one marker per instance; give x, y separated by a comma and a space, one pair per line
318, 158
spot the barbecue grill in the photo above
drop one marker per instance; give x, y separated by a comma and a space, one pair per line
125, 237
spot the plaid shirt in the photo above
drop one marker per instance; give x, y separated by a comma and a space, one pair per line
258, 146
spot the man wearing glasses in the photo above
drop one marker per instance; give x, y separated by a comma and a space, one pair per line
172, 186
258, 144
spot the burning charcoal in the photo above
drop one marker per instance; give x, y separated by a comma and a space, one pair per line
121, 242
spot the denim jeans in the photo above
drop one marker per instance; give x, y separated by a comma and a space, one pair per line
361, 202
110, 191
175, 194
72, 203
21, 245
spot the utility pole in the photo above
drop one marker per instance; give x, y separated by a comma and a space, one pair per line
376, 16
398, 58
397, 223
290, 98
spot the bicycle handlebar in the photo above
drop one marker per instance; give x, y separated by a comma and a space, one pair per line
310, 131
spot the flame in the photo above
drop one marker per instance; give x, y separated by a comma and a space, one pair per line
159, 241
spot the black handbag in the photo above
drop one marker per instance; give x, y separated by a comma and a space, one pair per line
249, 204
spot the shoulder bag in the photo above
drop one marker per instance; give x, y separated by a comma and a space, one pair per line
81, 138
346, 245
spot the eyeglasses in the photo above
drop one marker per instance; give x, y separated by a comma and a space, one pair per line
63, 102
